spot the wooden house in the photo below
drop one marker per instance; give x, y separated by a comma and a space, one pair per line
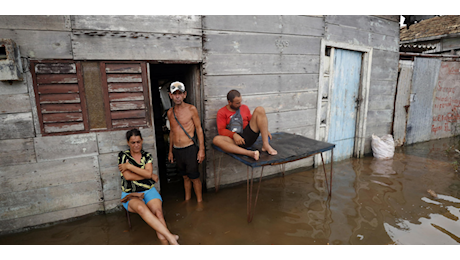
85, 80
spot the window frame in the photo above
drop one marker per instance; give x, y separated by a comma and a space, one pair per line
83, 102
81, 92
106, 93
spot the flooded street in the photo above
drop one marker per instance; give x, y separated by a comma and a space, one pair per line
374, 202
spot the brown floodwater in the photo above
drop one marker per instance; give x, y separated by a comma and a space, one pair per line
373, 202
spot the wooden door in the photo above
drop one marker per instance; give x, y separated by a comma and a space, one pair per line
346, 77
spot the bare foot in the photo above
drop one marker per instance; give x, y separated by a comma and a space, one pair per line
256, 155
173, 240
269, 150
162, 238
164, 241
199, 206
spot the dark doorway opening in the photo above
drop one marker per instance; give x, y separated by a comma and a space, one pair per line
161, 76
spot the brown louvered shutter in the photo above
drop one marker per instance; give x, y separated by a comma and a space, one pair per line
59, 96
126, 94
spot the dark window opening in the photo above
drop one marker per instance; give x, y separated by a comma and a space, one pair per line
3, 55
328, 51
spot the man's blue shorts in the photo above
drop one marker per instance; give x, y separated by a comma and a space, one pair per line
148, 196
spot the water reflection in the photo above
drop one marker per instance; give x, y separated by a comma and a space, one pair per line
435, 229
373, 202
387, 200
398, 188
315, 211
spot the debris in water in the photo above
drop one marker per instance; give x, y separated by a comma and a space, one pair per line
449, 198
432, 193
360, 237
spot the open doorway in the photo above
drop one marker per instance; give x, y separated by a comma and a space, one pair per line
161, 76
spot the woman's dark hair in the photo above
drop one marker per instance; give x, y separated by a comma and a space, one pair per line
133, 132
232, 94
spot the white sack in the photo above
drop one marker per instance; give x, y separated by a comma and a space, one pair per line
383, 148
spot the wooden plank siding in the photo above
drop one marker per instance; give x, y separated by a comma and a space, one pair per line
64, 166
40, 189
274, 62
167, 24
382, 35
117, 37
17, 151
60, 97
402, 101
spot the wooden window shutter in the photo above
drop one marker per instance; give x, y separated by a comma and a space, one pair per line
126, 94
60, 96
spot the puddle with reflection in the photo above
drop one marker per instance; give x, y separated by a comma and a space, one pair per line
373, 202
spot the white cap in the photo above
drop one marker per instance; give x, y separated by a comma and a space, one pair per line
177, 86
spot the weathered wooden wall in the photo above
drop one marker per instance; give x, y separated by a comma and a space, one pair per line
273, 61
382, 35
136, 37
52, 178
39, 36
402, 102
58, 177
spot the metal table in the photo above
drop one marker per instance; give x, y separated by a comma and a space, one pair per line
290, 147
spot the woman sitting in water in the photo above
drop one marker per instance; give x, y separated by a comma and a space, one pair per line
137, 181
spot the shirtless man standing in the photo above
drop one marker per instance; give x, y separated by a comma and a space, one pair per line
181, 147
251, 126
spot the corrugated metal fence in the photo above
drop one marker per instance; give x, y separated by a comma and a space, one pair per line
427, 100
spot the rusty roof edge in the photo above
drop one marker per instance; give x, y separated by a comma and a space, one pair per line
431, 38
428, 55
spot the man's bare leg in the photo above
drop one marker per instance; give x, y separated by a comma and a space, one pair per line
259, 123
187, 187
228, 145
197, 188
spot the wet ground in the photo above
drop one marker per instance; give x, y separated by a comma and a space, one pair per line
373, 202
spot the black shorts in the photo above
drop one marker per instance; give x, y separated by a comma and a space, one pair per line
186, 161
249, 137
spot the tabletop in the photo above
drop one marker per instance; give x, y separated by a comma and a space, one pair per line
290, 147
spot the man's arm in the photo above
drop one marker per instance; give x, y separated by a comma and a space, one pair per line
199, 133
171, 138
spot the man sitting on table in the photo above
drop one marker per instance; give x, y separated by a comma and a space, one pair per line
238, 129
